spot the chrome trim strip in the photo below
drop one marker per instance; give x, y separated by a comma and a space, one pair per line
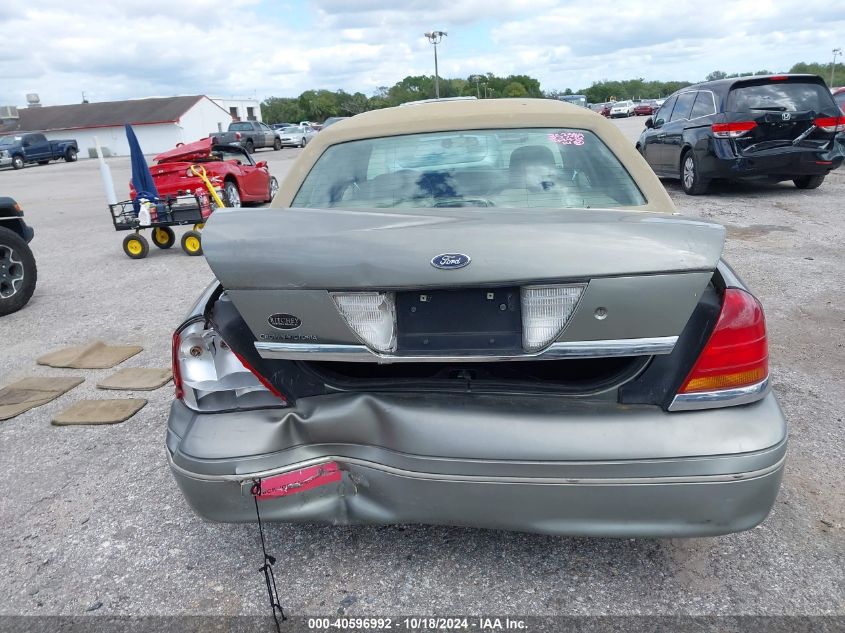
246, 479
363, 354
722, 398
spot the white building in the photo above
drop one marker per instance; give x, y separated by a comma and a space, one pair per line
240, 109
159, 123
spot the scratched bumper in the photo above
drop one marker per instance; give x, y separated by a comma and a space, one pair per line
602, 471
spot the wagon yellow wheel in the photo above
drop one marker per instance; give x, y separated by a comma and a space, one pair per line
136, 246
164, 237
192, 243
199, 226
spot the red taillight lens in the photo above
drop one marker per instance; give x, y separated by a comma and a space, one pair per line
737, 353
732, 130
778, 77
177, 372
831, 123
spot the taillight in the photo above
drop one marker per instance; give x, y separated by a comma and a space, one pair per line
174, 360
831, 123
736, 355
210, 376
545, 312
371, 315
732, 130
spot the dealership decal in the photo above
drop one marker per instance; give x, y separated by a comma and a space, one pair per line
284, 321
567, 138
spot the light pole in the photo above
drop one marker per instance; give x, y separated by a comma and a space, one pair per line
476, 79
435, 37
836, 51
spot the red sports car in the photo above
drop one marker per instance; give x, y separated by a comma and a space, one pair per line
644, 108
229, 167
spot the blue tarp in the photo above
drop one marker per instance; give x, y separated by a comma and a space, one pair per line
142, 179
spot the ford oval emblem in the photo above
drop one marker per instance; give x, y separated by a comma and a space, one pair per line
284, 321
450, 261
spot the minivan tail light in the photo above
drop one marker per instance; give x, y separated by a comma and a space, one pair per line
831, 124
736, 355
732, 130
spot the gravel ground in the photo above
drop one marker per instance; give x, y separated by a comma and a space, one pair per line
92, 519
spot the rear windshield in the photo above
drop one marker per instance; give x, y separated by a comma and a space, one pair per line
557, 168
234, 127
780, 96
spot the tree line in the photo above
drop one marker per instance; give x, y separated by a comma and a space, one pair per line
318, 105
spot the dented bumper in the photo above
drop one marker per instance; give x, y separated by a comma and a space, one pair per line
502, 462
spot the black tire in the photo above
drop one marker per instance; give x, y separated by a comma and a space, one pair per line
192, 243
43, 162
808, 182
231, 195
136, 246
163, 237
277, 144
691, 180
18, 272
249, 146
17, 162
70, 155
302, 142
273, 189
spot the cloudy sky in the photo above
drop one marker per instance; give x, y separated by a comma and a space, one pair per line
115, 49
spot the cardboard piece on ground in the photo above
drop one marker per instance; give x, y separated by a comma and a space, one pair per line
96, 355
137, 379
99, 411
29, 393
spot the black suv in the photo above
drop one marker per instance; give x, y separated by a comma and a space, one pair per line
779, 127
18, 273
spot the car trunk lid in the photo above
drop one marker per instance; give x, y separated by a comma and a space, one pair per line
337, 249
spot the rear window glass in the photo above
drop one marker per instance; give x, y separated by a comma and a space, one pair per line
780, 96
240, 126
556, 168
840, 100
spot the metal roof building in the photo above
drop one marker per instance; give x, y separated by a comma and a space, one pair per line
160, 122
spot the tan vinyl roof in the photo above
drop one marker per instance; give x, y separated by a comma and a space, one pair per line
440, 116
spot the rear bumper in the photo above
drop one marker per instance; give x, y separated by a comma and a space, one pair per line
785, 163
513, 463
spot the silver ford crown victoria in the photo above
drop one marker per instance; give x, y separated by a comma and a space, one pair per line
475, 313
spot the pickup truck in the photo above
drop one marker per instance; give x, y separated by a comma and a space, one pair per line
251, 135
18, 149
18, 273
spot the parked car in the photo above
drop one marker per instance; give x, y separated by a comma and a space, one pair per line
839, 97
18, 272
332, 120
622, 108
241, 179
605, 110
777, 127
645, 108
251, 135
19, 149
538, 345
296, 136
280, 126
